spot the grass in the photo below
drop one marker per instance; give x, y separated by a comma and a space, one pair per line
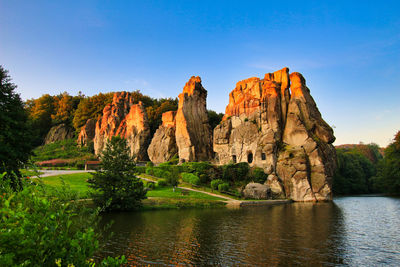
158, 198
167, 192
66, 150
76, 182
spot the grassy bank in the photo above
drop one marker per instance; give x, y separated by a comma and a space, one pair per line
158, 198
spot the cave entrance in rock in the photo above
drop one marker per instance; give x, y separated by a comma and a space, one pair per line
234, 158
263, 156
250, 157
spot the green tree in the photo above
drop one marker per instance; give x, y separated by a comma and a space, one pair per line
388, 175
15, 135
115, 186
353, 174
214, 118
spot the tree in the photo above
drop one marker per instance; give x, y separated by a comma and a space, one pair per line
214, 118
90, 108
388, 176
116, 187
40, 111
15, 135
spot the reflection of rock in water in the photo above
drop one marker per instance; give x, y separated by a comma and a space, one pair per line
300, 233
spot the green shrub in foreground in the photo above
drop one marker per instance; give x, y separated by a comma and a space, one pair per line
214, 183
190, 178
258, 175
224, 187
162, 183
43, 227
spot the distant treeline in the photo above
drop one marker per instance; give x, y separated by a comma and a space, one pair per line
364, 169
47, 111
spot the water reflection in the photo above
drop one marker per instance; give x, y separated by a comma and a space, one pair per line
301, 233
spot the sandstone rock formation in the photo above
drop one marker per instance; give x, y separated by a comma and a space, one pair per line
193, 133
87, 133
163, 145
257, 191
59, 133
128, 120
275, 124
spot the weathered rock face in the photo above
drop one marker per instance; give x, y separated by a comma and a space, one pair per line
257, 191
87, 133
193, 133
163, 145
59, 133
127, 120
275, 124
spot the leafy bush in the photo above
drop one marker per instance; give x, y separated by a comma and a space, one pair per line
149, 184
140, 169
162, 183
257, 175
116, 187
190, 178
214, 183
149, 164
149, 171
235, 173
224, 187
161, 173
43, 227
204, 178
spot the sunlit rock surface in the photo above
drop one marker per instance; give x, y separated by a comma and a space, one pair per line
275, 124
125, 119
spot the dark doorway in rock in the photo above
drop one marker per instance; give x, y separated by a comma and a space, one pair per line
250, 157
234, 158
263, 156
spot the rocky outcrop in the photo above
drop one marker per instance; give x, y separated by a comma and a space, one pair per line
128, 120
275, 124
87, 133
59, 133
163, 145
257, 191
193, 133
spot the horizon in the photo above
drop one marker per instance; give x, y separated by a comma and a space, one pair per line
348, 53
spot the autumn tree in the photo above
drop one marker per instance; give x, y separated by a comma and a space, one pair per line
90, 108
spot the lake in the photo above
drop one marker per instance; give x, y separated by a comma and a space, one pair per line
355, 231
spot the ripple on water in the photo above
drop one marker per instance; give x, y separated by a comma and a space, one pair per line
351, 231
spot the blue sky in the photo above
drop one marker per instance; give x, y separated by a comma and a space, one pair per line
348, 51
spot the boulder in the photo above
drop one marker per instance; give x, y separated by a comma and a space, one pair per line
257, 191
59, 133
193, 133
163, 145
275, 124
87, 133
125, 119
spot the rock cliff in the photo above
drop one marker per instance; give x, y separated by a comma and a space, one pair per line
87, 132
275, 124
124, 118
193, 133
163, 145
59, 133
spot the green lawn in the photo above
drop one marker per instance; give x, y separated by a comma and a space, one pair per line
167, 192
77, 182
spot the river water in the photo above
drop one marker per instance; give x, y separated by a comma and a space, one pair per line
356, 231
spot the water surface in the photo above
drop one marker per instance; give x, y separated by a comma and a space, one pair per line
349, 231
